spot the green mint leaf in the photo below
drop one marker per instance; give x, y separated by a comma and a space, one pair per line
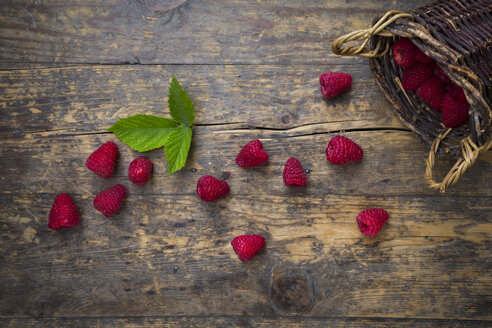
180, 104
176, 147
143, 132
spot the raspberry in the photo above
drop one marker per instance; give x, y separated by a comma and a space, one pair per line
294, 175
64, 213
334, 83
404, 52
457, 93
454, 112
108, 201
140, 170
415, 75
432, 92
252, 154
103, 160
210, 188
440, 73
371, 221
247, 246
421, 57
341, 150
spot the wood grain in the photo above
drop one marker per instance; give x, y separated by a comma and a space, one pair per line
180, 31
393, 164
423, 264
239, 321
168, 249
70, 70
89, 99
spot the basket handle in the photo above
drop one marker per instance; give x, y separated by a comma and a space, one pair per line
365, 35
470, 152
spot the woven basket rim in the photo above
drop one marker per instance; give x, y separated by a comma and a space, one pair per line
457, 34
448, 60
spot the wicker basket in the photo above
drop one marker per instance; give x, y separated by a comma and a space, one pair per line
457, 34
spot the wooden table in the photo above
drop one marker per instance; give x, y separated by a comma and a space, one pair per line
70, 70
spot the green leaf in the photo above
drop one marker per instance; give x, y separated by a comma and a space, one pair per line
176, 147
180, 104
143, 132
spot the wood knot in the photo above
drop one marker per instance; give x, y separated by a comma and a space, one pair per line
286, 119
291, 291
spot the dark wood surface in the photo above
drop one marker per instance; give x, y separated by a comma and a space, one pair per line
68, 71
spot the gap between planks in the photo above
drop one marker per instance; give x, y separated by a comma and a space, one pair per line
53, 65
249, 129
397, 319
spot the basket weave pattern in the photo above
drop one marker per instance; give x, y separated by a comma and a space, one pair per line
457, 34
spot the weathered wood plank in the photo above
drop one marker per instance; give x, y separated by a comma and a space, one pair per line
239, 321
394, 163
91, 98
180, 31
171, 254
165, 259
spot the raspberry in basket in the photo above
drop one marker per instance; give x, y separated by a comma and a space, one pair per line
432, 92
404, 52
454, 112
452, 47
416, 75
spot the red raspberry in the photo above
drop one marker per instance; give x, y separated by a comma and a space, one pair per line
341, 150
252, 154
247, 246
439, 72
103, 160
457, 93
432, 92
64, 213
334, 83
294, 175
108, 201
404, 52
210, 188
415, 75
421, 57
140, 170
371, 221
454, 112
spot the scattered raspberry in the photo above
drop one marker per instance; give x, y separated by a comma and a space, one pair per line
415, 75
108, 201
252, 154
247, 246
457, 93
439, 72
454, 112
294, 175
103, 160
140, 170
341, 150
371, 221
334, 83
421, 57
432, 92
404, 52
64, 213
210, 188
